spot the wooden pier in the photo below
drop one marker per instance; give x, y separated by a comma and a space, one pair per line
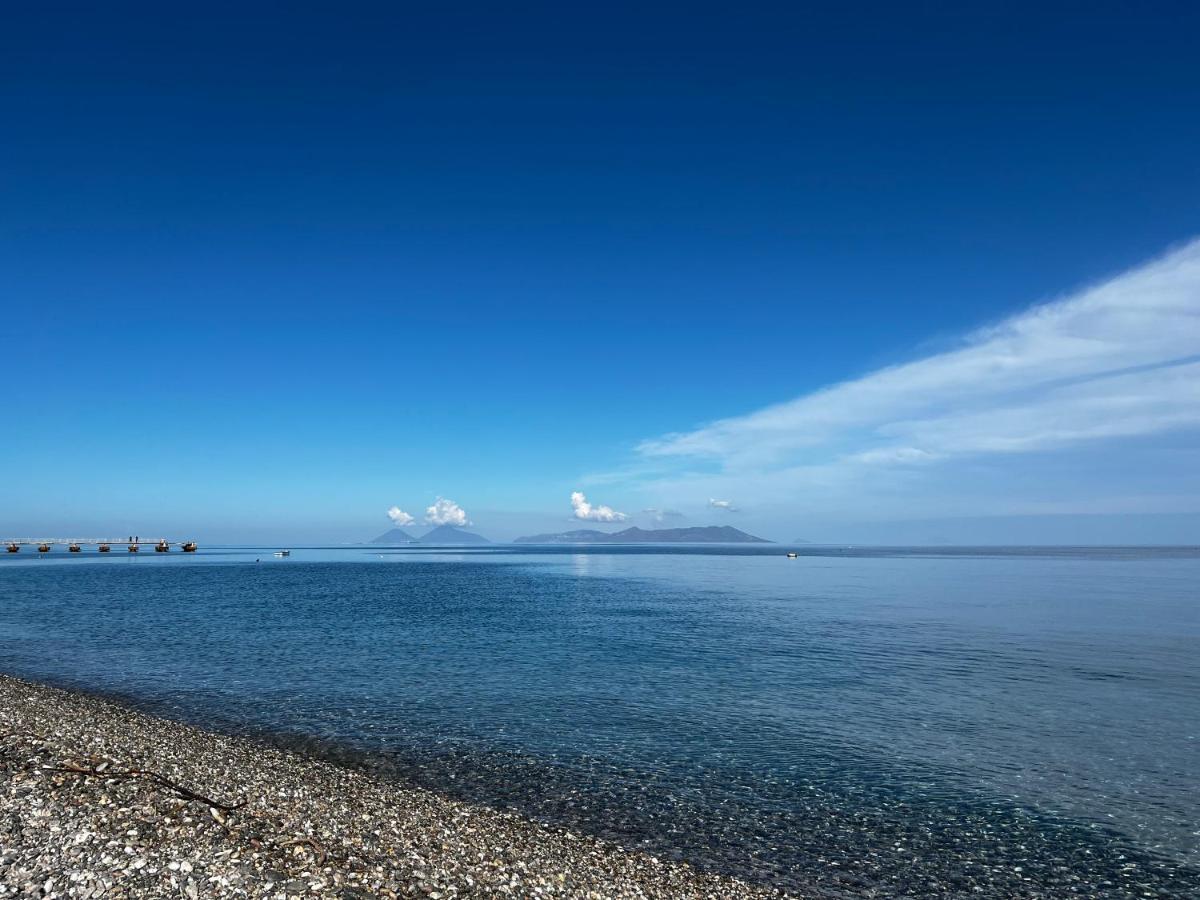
103, 545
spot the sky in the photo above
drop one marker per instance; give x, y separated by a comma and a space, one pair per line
876, 273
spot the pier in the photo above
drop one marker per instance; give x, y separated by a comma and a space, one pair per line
132, 544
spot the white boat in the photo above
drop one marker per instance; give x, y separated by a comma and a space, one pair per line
283, 552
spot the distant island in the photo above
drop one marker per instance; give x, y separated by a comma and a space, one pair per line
452, 534
395, 536
443, 534
581, 536
710, 534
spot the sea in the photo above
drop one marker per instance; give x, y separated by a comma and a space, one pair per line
1018, 721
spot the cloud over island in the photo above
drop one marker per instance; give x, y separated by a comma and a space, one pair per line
399, 517
594, 513
446, 512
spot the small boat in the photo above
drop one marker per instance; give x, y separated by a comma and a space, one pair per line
282, 553
104, 548
189, 547
791, 554
133, 548
73, 548
14, 547
43, 548
162, 547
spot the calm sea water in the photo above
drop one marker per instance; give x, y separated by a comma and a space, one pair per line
1025, 721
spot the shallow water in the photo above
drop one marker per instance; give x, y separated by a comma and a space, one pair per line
1023, 720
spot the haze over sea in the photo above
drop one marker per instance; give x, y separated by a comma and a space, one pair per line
1025, 719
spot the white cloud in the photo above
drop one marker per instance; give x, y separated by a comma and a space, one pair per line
1118, 359
585, 510
399, 517
660, 515
726, 505
893, 455
446, 512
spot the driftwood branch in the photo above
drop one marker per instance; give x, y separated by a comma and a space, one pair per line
129, 774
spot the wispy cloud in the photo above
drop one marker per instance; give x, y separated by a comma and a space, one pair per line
594, 513
446, 512
726, 505
399, 517
661, 515
1118, 359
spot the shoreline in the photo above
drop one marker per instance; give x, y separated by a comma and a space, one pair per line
103, 800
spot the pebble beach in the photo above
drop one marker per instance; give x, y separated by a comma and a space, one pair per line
102, 801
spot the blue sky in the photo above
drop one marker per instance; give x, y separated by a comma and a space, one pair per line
269, 271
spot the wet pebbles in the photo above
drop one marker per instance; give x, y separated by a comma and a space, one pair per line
97, 800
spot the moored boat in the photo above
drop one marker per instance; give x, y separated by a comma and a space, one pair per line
14, 547
43, 548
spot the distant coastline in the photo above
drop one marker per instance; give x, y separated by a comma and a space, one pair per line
443, 534
710, 534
